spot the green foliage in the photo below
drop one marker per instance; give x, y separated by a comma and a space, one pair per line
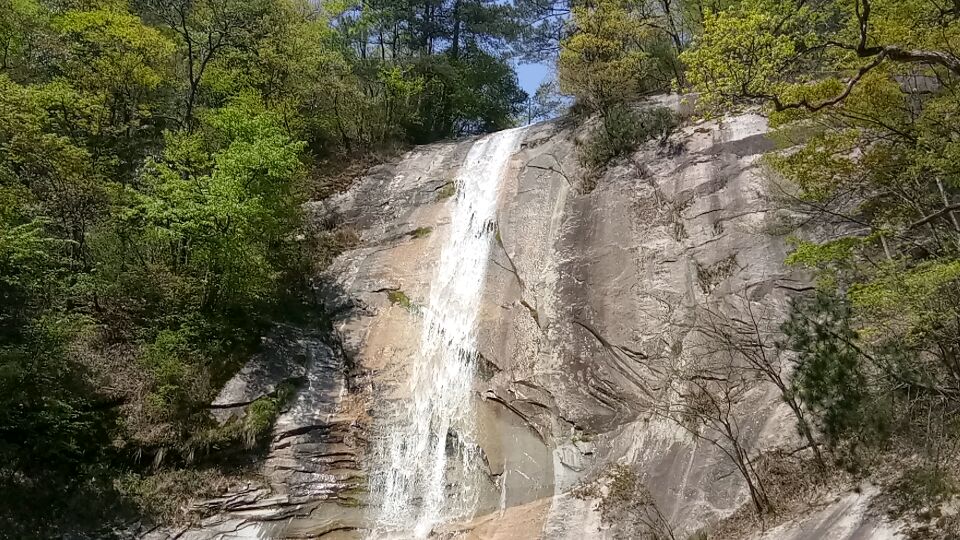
260, 416
813, 255
30, 271
829, 375
622, 129
236, 212
153, 162
20, 21
915, 310
876, 170
148, 225
166, 494
740, 52
821, 166
178, 377
399, 298
908, 294
833, 260
42, 165
249, 431
448, 190
615, 54
51, 427
44, 413
421, 232
432, 70
474, 93
112, 52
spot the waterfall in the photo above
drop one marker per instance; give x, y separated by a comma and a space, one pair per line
432, 432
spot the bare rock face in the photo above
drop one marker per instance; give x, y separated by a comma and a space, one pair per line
590, 291
281, 360
590, 302
589, 309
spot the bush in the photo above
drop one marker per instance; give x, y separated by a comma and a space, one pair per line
326, 245
259, 419
622, 129
180, 384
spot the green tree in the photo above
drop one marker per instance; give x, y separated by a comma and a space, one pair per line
20, 22
475, 93
829, 376
864, 93
39, 154
153, 156
546, 102
449, 58
120, 65
616, 53
872, 83
52, 424
219, 206
208, 29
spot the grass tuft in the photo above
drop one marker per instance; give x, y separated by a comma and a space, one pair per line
400, 298
421, 232
448, 190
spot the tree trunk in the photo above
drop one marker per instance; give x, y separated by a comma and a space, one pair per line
806, 432
455, 45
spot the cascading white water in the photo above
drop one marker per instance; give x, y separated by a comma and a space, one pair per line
434, 432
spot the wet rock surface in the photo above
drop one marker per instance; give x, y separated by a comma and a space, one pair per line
590, 289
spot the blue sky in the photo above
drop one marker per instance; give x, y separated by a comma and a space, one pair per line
531, 75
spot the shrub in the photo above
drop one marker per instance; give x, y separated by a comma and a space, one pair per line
259, 419
622, 129
918, 487
325, 246
179, 380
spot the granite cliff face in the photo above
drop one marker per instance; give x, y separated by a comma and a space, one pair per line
589, 292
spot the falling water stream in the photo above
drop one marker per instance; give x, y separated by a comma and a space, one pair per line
433, 432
